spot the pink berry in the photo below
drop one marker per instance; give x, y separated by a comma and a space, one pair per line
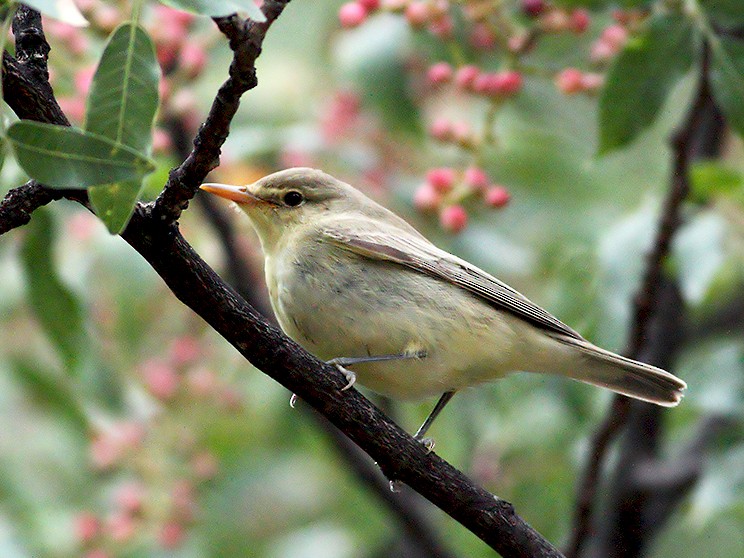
370, 5
417, 13
87, 527
507, 82
442, 27
161, 379
171, 535
580, 20
602, 51
482, 37
441, 129
592, 82
453, 218
441, 179
193, 58
121, 527
533, 8
440, 72
352, 14
569, 81
130, 497
476, 178
466, 75
497, 196
426, 198
482, 83
615, 35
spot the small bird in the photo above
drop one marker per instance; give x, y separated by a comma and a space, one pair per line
354, 283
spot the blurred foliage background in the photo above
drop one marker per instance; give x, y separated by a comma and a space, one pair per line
129, 428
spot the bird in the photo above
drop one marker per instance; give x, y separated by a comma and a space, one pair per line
357, 286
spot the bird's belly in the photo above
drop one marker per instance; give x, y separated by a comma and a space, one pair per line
360, 314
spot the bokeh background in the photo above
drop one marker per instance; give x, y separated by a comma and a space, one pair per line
129, 428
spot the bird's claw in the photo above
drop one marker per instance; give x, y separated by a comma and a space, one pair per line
293, 400
395, 486
348, 374
428, 443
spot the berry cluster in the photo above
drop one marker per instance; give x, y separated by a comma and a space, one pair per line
445, 189
515, 34
181, 49
159, 461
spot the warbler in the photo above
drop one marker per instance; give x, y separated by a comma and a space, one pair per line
354, 283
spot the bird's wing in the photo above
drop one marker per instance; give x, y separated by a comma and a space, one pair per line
419, 254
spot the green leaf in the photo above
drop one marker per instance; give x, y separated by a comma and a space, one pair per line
642, 77
62, 157
124, 93
711, 178
63, 10
727, 79
217, 8
56, 308
114, 203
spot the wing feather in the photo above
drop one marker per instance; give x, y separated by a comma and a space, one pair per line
415, 252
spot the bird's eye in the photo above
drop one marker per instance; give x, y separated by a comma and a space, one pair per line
293, 198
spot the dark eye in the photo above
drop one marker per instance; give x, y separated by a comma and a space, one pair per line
293, 198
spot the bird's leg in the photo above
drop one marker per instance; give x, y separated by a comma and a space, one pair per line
342, 362
429, 442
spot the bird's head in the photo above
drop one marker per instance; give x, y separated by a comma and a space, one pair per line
283, 201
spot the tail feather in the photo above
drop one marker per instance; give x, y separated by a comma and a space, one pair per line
623, 375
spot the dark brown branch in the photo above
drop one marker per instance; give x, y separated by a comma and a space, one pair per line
686, 144
245, 39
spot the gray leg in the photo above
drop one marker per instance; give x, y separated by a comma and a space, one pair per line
342, 362
446, 396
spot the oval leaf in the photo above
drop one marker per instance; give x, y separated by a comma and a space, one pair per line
70, 158
56, 308
63, 10
114, 203
641, 78
124, 93
727, 79
217, 8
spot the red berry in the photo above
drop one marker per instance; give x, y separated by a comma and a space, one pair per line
441, 129
497, 196
352, 14
507, 83
87, 527
453, 218
476, 178
417, 13
580, 20
442, 179
426, 198
440, 72
533, 8
370, 5
466, 75
570, 81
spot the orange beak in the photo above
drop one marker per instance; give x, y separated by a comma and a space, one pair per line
238, 194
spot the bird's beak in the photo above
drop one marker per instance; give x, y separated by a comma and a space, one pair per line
238, 194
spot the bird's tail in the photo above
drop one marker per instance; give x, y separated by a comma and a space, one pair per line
620, 374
